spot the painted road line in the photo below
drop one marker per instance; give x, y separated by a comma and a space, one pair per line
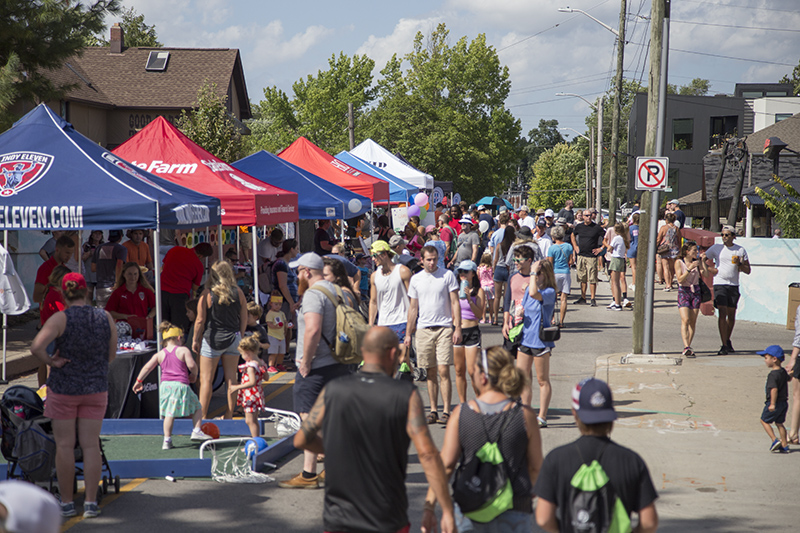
105, 501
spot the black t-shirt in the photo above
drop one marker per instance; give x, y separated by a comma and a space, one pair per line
569, 214
321, 236
627, 472
366, 453
778, 379
588, 238
680, 217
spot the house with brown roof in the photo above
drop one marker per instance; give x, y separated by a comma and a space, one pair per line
116, 91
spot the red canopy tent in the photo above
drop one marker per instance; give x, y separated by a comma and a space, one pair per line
314, 159
166, 152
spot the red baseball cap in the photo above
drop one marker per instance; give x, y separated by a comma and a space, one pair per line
73, 276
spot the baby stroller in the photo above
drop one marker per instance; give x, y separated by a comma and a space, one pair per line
28, 444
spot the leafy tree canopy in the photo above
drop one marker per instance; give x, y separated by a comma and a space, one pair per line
446, 113
318, 110
542, 138
136, 32
785, 207
696, 87
211, 126
37, 35
558, 176
794, 79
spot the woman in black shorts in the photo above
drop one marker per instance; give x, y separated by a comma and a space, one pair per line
473, 303
688, 270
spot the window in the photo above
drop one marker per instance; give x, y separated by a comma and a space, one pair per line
722, 127
682, 138
776, 93
157, 61
782, 116
752, 94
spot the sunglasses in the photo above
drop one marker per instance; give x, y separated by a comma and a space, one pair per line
727, 234
520, 259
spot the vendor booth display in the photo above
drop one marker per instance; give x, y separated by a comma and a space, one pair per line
317, 198
307, 155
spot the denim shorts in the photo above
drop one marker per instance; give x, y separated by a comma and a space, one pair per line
510, 521
207, 351
500, 274
399, 330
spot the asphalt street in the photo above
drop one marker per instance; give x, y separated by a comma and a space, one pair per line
696, 425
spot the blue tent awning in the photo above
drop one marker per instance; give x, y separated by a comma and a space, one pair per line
52, 177
399, 190
316, 197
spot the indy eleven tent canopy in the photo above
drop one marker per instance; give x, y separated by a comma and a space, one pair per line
52, 177
163, 150
317, 198
376, 155
307, 155
399, 190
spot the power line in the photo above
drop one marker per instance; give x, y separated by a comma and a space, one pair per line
732, 58
716, 4
733, 26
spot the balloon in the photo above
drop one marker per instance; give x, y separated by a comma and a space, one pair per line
354, 205
483, 226
413, 211
422, 213
411, 199
421, 199
444, 200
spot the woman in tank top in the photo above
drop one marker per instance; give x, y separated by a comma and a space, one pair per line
472, 299
220, 325
492, 412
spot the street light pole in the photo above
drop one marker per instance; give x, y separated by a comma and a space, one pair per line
599, 198
615, 119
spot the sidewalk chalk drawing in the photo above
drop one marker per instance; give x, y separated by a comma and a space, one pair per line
668, 425
700, 485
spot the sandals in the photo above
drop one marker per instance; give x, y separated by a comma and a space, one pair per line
794, 440
445, 418
433, 417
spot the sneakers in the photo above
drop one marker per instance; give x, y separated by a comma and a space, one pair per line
542, 422
775, 446
580, 301
299, 482
615, 307
273, 370
611, 305
730, 347
197, 434
688, 352
632, 286
68, 509
280, 368
90, 510
167, 444
667, 289
594, 303
627, 303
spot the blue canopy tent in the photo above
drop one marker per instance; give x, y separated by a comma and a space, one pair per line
52, 177
399, 190
316, 198
494, 201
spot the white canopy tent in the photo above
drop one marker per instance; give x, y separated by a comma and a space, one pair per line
378, 156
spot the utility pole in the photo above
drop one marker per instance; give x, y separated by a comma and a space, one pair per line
654, 146
598, 201
615, 118
351, 126
591, 169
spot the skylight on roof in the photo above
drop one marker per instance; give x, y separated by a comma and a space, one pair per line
157, 61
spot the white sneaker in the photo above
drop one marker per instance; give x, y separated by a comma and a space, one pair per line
198, 434
610, 306
167, 444
626, 303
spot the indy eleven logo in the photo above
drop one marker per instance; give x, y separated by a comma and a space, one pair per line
20, 170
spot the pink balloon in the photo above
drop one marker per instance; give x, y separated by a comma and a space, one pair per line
413, 211
421, 199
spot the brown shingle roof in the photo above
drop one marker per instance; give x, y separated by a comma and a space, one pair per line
122, 81
788, 130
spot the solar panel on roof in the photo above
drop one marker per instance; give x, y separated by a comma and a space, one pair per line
157, 61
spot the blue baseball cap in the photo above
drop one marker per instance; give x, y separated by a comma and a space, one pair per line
591, 399
466, 264
774, 350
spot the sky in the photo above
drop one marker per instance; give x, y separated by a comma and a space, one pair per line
546, 51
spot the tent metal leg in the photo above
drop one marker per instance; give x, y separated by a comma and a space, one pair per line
157, 275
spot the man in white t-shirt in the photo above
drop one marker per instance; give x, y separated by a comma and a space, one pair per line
729, 259
269, 247
525, 219
434, 312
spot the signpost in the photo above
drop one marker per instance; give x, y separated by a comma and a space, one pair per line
651, 173
436, 196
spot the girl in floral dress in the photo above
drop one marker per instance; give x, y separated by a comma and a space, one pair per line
249, 394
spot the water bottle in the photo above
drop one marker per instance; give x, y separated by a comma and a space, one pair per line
343, 338
462, 289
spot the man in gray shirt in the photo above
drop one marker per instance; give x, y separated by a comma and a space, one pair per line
469, 242
316, 366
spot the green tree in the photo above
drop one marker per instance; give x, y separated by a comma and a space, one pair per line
446, 113
318, 109
785, 207
558, 176
41, 34
210, 124
696, 87
542, 138
794, 79
136, 32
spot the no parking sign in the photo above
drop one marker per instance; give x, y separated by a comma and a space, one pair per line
651, 173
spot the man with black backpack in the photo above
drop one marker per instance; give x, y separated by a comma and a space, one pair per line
570, 496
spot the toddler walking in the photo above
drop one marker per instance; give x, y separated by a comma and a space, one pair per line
277, 328
178, 369
777, 402
486, 277
249, 390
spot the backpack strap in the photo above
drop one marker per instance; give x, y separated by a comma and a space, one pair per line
330, 296
602, 451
